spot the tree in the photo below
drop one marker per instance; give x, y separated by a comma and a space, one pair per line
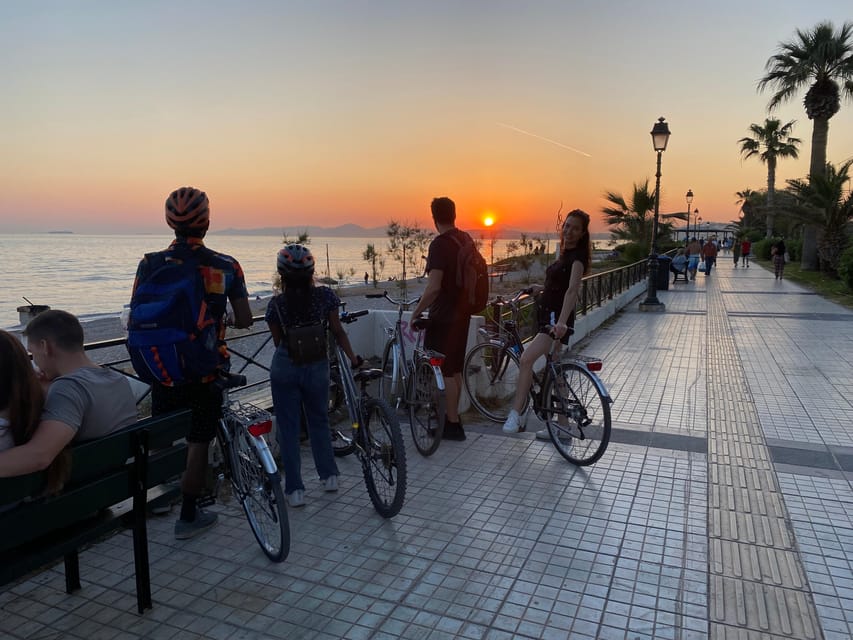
632, 222
376, 260
825, 198
821, 59
750, 209
406, 244
770, 143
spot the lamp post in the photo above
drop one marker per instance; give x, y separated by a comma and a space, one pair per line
689, 198
660, 138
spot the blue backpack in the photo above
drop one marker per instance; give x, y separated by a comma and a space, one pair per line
171, 334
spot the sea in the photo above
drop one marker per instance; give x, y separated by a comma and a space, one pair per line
91, 275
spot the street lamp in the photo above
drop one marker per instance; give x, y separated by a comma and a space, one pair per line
660, 137
689, 198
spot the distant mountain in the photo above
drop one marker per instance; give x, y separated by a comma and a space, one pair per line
341, 231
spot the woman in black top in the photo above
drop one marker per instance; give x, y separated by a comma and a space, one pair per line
556, 305
778, 250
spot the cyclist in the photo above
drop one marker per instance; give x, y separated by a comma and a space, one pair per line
188, 214
299, 373
447, 332
555, 308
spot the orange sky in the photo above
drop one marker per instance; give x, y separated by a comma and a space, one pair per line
294, 114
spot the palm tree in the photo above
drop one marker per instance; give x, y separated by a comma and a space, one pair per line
825, 198
750, 205
821, 59
632, 222
770, 142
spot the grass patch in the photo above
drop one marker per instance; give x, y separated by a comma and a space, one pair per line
821, 283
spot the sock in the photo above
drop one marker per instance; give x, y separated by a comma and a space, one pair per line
188, 508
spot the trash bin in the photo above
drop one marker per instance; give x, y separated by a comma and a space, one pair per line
663, 273
30, 311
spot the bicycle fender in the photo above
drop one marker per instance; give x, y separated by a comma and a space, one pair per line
439, 377
596, 381
264, 454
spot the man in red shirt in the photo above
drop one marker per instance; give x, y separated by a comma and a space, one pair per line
709, 254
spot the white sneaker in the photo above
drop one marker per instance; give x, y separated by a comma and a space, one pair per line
296, 499
543, 434
331, 483
513, 423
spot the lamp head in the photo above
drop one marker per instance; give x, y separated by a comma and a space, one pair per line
689, 197
660, 134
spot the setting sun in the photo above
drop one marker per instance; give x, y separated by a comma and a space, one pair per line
488, 220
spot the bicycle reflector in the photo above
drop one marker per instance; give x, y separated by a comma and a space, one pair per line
594, 365
260, 428
435, 361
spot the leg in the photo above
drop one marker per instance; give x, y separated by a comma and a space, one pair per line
537, 348
316, 402
287, 398
452, 385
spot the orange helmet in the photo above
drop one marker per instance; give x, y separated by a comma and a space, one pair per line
188, 209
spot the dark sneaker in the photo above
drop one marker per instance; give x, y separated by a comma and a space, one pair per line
453, 431
204, 520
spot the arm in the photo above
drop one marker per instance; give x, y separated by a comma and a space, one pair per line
242, 312
276, 332
430, 293
48, 441
570, 299
341, 336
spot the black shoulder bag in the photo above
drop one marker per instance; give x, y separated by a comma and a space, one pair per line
306, 343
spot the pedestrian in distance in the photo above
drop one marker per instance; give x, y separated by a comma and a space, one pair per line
709, 255
555, 308
188, 215
745, 251
298, 319
778, 252
694, 250
449, 316
736, 252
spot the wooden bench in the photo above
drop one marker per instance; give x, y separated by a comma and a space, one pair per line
107, 490
500, 271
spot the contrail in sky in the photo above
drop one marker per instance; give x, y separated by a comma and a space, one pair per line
533, 135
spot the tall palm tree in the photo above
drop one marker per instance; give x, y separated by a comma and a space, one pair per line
821, 59
826, 198
770, 143
750, 206
631, 221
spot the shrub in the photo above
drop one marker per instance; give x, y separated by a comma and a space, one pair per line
632, 252
761, 248
845, 267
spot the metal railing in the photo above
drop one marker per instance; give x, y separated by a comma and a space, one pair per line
251, 350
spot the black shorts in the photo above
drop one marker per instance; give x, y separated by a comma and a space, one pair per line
203, 399
451, 339
543, 316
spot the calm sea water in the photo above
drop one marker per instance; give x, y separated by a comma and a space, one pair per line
91, 275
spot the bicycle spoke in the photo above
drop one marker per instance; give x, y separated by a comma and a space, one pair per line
383, 458
426, 410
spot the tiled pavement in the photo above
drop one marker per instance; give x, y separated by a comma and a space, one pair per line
720, 510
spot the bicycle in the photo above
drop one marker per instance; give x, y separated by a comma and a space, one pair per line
567, 395
242, 454
417, 382
376, 435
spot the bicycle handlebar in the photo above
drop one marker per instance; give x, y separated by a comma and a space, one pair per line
352, 317
399, 303
516, 298
230, 380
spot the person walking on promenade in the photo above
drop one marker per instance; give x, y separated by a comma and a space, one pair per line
735, 251
694, 249
299, 379
778, 251
709, 255
188, 214
447, 331
83, 400
555, 307
745, 249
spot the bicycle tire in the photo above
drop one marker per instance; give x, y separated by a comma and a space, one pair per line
426, 409
491, 378
584, 433
393, 399
383, 458
261, 496
342, 444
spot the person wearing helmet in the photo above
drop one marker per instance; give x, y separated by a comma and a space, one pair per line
300, 380
188, 214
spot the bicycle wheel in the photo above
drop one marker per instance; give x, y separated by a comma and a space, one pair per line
343, 444
577, 415
426, 409
491, 378
383, 458
385, 384
261, 496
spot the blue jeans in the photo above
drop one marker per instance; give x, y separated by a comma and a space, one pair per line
294, 388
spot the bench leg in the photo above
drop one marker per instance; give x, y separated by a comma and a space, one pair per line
72, 572
140, 528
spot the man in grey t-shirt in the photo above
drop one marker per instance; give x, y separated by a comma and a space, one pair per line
84, 400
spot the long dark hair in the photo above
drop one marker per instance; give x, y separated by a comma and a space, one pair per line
585, 243
21, 393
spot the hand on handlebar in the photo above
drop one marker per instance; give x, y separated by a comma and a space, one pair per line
419, 323
357, 363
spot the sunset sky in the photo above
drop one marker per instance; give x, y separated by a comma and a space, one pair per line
325, 113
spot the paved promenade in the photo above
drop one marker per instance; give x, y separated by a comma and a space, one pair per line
722, 509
